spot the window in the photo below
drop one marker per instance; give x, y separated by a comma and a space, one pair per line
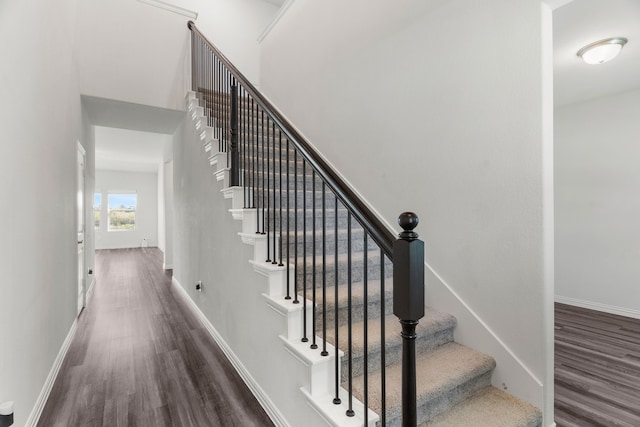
122, 211
97, 207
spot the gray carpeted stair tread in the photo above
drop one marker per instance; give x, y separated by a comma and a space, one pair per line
357, 301
432, 323
489, 407
373, 259
433, 331
445, 377
357, 293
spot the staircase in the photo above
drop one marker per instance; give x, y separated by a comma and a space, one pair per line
336, 283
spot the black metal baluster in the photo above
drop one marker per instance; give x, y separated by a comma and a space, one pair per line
227, 118
254, 159
207, 106
295, 224
304, 251
258, 180
288, 165
214, 83
280, 186
263, 181
324, 272
383, 348
229, 111
193, 61
218, 102
197, 82
270, 189
240, 139
365, 314
314, 345
273, 135
205, 85
350, 412
199, 70
243, 133
248, 162
336, 399
226, 109
233, 149
221, 107
205, 102
211, 83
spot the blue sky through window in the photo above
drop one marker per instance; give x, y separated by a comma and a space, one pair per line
118, 200
97, 200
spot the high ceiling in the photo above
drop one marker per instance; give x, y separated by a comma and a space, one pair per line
581, 22
575, 24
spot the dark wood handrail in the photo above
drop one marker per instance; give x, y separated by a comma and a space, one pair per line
360, 211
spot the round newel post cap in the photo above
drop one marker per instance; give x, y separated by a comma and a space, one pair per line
408, 221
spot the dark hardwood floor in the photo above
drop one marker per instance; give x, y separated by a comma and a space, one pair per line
141, 358
597, 368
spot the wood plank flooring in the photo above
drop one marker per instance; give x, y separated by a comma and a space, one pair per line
141, 358
597, 368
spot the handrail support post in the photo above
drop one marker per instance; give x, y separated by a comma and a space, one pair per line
408, 306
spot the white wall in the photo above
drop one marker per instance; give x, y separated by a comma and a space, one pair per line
162, 238
208, 248
234, 26
145, 185
165, 212
89, 143
441, 104
598, 203
168, 214
41, 124
133, 52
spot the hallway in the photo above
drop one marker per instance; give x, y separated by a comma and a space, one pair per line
140, 357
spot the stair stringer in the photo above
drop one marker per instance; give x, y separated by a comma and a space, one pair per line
312, 373
320, 373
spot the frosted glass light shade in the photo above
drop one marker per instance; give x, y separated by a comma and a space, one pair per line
602, 51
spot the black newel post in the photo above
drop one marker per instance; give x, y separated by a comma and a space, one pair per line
408, 305
235, 154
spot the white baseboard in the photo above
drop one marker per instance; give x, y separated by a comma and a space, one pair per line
90, 291
612, 309
32, 421
167, 266
264, 400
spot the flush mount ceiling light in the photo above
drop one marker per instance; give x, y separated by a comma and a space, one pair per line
602, 51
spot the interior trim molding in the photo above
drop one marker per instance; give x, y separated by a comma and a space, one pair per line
486, 327
171, 8
281, 12
262, 397
611, 309
34, 417
555, 4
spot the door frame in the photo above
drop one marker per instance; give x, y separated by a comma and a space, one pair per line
81, 221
